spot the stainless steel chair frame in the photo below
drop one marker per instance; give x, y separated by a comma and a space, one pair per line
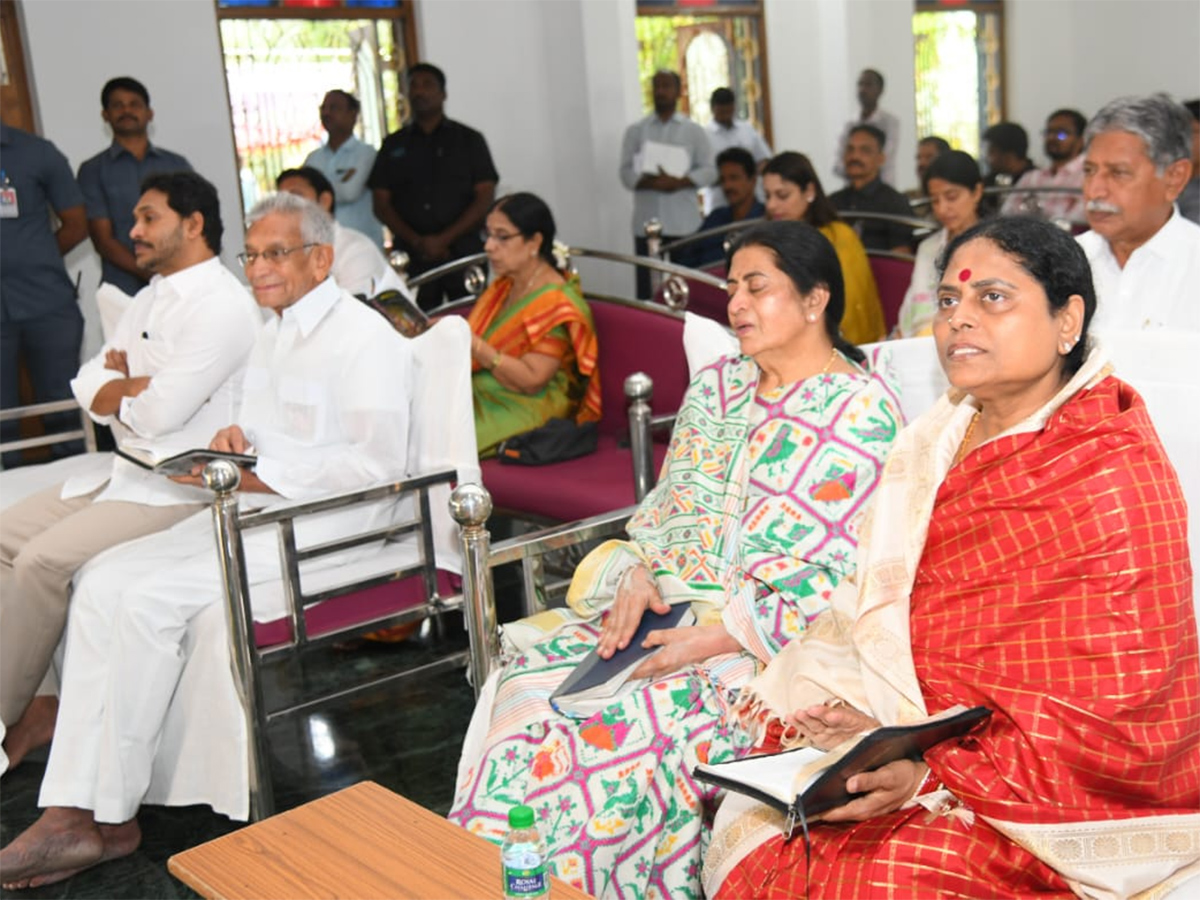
246, 660
86, 430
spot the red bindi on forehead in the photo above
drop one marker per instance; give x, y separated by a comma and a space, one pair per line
964, 274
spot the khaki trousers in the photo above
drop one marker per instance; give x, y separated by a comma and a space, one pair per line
44, 540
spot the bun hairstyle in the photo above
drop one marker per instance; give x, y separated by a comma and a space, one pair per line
809, 261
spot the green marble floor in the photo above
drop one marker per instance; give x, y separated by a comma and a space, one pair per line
406, 736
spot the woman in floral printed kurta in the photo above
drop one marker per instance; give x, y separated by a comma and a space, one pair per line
774, 454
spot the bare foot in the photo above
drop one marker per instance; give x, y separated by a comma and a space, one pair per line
119, 840
60, 843
34, 729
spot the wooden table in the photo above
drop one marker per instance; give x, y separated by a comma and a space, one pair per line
364, 841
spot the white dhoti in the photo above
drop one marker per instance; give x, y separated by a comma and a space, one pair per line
142, 614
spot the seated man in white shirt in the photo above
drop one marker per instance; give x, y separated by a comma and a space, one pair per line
358, 265
1145, 256
322, 412
165, 377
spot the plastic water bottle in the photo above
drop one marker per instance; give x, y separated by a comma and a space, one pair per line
523, 857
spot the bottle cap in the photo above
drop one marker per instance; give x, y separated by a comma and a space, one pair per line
520, 817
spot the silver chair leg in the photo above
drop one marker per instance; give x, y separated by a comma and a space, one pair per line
639, 388
223, 477
470, 505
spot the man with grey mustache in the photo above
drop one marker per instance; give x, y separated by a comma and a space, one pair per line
1145, 256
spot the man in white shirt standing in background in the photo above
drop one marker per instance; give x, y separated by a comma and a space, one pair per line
870, 89
725, 131
1145, 255
669, 196
165, 377
347, 162
325, 410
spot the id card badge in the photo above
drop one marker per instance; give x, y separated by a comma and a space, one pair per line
8, 202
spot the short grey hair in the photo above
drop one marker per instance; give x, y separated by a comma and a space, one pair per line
316, 225
1163, 125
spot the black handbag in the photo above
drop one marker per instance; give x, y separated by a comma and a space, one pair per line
556, 441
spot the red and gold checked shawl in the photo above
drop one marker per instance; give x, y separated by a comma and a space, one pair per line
1055, 588
529, 324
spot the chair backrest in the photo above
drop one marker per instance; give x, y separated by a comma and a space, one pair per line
112, 302
442, 423
919, 374
638, 337
704, 341
709, 301
892, 277
1159, 366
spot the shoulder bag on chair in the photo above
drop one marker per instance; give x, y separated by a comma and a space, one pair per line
556, 441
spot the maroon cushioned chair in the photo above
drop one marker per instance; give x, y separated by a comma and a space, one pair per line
632, 337
705, 299
892, 276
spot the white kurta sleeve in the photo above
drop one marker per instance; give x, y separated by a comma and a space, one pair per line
207, 353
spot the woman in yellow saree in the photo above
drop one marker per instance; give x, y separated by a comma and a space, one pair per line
794, 193
534, 351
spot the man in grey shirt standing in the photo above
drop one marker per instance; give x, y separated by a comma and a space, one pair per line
665, 157
111, 180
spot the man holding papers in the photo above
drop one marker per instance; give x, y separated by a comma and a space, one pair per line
162, 381
664, 158
322, 414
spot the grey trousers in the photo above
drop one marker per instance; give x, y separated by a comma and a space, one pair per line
44, 540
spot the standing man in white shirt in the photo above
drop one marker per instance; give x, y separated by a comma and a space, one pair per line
165, 378
358, 265
870, 89
325, 410
725, 131
1145, 255
669, 196
347, 162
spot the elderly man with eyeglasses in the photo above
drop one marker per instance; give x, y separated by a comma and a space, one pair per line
162, 381
324, 411
1145, 255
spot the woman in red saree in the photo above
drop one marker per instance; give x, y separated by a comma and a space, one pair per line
534, 353
1026, 551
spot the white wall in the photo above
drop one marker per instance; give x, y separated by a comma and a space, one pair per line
174, 49
551, 84
816, 50
1083, 53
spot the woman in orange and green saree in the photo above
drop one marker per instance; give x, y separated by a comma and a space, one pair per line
534, 351
1026, 551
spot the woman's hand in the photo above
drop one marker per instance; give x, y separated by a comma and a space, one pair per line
827, 726
636, 592
886, 789
682, 647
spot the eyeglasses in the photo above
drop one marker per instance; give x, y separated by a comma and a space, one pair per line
497, 236
1059, 135
273, 257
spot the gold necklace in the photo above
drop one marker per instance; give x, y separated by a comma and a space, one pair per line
528, 283
966, 441
832, 359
